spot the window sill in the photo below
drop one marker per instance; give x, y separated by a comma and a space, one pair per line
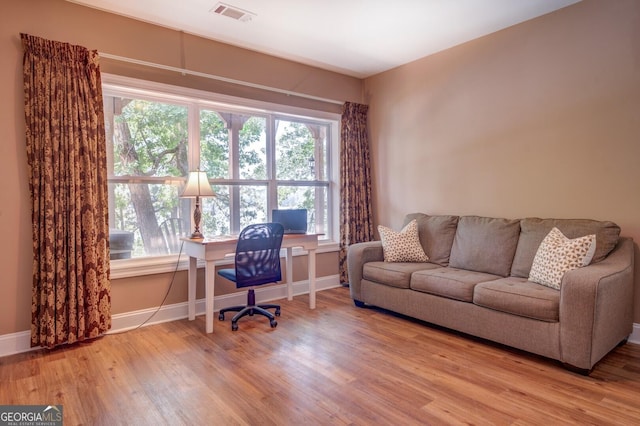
126, 268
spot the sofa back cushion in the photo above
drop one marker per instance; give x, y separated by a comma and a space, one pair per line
436, 235
485, 244
533, 231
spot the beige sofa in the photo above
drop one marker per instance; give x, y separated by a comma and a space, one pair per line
476, 282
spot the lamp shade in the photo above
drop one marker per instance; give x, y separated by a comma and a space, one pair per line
197, 186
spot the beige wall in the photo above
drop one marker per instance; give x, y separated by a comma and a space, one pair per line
148, 291
540, 119
68, 22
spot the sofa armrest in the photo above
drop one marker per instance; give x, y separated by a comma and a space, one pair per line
357, 255
596, 307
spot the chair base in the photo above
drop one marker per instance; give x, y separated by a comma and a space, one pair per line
251, 309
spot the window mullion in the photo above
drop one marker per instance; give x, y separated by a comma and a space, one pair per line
193, 126
272, 194
234, 126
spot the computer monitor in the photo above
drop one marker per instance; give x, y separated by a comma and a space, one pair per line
294, 221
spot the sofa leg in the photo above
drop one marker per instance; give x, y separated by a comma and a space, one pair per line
578, 370
624, 341
359, 304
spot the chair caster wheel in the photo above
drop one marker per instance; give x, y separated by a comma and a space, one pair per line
221, 317
277, 312
234, 327
273, 323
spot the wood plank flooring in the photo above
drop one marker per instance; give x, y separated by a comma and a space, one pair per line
335, 365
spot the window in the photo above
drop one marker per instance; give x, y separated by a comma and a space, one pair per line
258, 157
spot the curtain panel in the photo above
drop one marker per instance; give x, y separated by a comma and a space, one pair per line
66, 153
356, 224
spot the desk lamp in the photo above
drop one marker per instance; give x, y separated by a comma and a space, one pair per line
197, 186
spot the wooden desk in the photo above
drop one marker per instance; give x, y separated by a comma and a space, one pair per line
212, 249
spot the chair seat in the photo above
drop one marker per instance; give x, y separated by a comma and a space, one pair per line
229, 274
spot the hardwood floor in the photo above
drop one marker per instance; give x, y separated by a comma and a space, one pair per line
337, 364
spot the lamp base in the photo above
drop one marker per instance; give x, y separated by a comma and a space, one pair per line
197, 235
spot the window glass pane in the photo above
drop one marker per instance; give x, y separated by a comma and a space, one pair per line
216, 219
147, 219
312, 198
147, 152
253, 153
214, 145
301, 150
216, 212
218, 132
253, 205
146, 138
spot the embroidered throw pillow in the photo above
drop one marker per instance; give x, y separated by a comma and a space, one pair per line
558, 254
403, 246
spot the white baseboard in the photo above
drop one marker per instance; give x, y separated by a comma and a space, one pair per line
635, 334
15, 343
130, 320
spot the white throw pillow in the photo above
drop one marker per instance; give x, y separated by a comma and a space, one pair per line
558, 254
403, 246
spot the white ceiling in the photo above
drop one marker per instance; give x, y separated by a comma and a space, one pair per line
354, 37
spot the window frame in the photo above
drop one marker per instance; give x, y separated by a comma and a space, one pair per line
197, 100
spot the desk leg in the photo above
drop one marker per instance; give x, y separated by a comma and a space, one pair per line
193, 274
312, 278
210, 280
289, 273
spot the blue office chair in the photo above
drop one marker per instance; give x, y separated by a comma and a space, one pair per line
257, 262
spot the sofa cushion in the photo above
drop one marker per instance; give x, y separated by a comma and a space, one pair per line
485, 244
449, 282
518, 296
558, 254
393, 274
403, 246
533, 231
436, 235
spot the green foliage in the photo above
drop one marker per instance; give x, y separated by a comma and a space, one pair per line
214, 145
294, 147
151, 139
216, 216
157, 140
253, 152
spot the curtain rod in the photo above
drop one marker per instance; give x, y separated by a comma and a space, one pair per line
217, 77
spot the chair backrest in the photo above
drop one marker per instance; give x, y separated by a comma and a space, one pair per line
172, 230
258, 254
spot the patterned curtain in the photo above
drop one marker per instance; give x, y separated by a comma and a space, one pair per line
355, 182
66, 152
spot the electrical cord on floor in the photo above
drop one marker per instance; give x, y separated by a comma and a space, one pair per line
164, 299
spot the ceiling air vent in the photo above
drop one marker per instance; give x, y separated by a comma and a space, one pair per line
232, 12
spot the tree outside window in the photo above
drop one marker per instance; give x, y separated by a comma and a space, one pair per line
256, 162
